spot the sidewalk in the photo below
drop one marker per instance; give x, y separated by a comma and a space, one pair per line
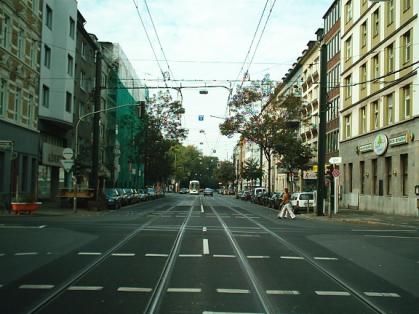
367, 217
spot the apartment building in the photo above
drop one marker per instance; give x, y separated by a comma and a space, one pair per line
56, 88
380, 105
20, 37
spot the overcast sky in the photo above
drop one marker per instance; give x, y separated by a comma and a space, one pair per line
206, 40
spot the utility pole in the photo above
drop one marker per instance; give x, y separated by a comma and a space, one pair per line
96, 119
322, 131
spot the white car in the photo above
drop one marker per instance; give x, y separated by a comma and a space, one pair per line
300, 201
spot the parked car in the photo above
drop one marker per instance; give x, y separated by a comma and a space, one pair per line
245, 196
255, 193
275, 200
183, 191
143, 195
302, 200
135, 195
113, 200
151, 193
208, 192
239, 194
124, 196
130, 196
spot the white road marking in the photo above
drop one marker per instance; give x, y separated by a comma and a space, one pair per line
36, 286
89, 253
286, 292
225, 255
333, 293
211, 312
326, 258
382, 294
156, 255
204, 229
258, 256
240, 291
123, 254
85, 288
195, 290
205, 246
292, 257
381, 236
26, 253
2, 254
202, 208
382, 230
190, 255
247, 235
134, 289
22, 227
1, 286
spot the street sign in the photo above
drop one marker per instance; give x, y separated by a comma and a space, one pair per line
67, 153
336, 172
67, 164
201, 118
335, 160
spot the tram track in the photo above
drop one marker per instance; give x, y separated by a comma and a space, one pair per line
332, 276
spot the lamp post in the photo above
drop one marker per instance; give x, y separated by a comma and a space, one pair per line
76, 148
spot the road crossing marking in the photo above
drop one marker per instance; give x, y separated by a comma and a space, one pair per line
85, 288
89, 253
156, 255
382, 236
333, 293
202, 208
204, 229
123, 254
326, 258
134, 289
26, 253
205, 246
36, 286
258, 256
382, 294
224, 255
292, 257
195, 290
239, 291
247, 235
190, 255
283, 292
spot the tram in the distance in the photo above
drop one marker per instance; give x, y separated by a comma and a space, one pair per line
194, 187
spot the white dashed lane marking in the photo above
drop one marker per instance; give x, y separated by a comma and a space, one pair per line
383, 236
190, 255
205, 246
238, 291
258, 256
85, 288
123, 254
224, 255
156, 255
382, 294
333, 293
292, 257
204, 229
194, 290
36, 286
283, 292
134, 289
211, 312
89, 253
26, 253
326, 258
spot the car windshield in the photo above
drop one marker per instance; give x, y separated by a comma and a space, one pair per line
111, 192
306, 196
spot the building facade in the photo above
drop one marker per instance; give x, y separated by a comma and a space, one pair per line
380, 105
20, 37
56, 89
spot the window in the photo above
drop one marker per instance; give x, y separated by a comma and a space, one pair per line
390, 58
70, 65
350, 172
406, 47
376, 66
83, 81
348, 86
82, 109
364, 34
6, 32
35, 6
388, 175
348, 48
390, 12
374, 176
362, 176
363, 71
68, 101
375, 114
45, 96
83, 50
48, 17
406, 102
389, 109
406, 5
376, 23
348, 11
29, 109
47, 56
17, 105
403, 172
3, 96
20, 44
363, 120
72, 27
348, 121
32, 55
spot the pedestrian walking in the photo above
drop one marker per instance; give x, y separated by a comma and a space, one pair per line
286, 206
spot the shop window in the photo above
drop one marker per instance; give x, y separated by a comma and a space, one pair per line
374, 176
362, 176
389, 171
350, 172
404, 173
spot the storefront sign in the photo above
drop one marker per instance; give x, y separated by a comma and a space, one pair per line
365, 148
399, 140
380, 144
310, 175
51, 155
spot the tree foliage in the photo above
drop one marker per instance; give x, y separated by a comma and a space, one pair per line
225, 173
251, 170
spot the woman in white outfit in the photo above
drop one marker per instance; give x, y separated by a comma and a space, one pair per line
286, 206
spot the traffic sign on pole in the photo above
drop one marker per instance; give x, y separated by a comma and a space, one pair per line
336, 172
67, 164
335, 160
67, 153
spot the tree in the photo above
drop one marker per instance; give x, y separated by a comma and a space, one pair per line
225, 173
251, 171
264, 126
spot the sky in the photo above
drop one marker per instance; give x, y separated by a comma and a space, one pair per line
205, 43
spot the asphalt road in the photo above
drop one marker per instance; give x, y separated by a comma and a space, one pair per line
195, 254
